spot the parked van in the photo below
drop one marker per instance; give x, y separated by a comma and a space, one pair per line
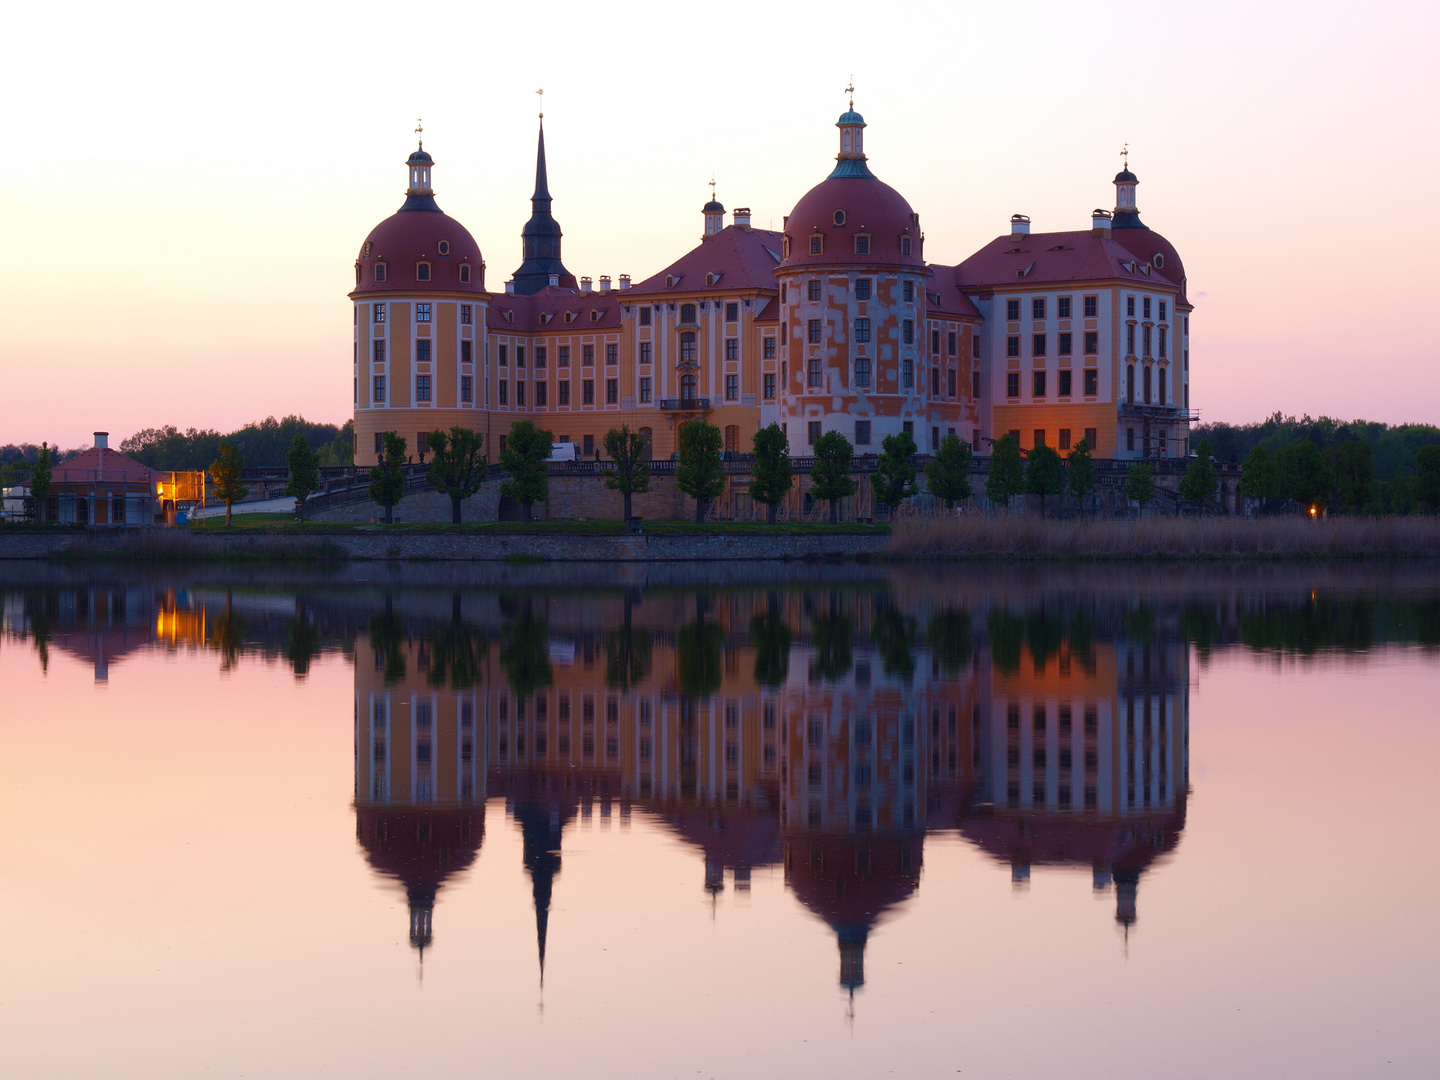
562, 451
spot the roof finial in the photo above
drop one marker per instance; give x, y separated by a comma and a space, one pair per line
420, 131
712, 187
850, 89
1125, 155
541, 92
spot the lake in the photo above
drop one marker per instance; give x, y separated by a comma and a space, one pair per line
720, 821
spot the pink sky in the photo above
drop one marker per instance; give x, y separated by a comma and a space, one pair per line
186, 197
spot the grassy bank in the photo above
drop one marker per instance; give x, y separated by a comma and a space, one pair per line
1026, 536
286, 524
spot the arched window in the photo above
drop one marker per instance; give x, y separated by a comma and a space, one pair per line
687, 387
732, 438
1161, 387
687, 347
1147, 384
905, 245
422, 271
817, 245
465, 274
648, 438
785, 245
357, 273
379, 271
687, 315
1129, 382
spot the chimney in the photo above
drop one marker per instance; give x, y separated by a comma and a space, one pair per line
509, 286
624, 281
1019, 226
604, 282
585, 284
742, 217
102, 440
1100, 222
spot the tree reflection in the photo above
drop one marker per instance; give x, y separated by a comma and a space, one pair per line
302, 643
699, 656
228, 637
457, 652
627, 654
894, 636
387, 639
770, 636
525, 655
833, 636
1007, 640
948, 636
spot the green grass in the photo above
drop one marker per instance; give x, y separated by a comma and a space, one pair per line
244, 521
760, 528
287, 523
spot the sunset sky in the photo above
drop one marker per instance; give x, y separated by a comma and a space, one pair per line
186, 186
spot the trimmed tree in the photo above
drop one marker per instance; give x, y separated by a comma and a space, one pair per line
894, 477
772, 474
830, 473
1427, 477
1044, 474
1006, 478
1140, 484
457, 465
40, 482
699, 473
225, 476
304, 473
1304, 475
1080, 476
947, 476
525, 458
387, 480
631, 475
1200, 479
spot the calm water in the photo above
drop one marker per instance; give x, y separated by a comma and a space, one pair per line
704, 822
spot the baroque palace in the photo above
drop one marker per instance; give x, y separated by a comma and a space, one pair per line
835, 323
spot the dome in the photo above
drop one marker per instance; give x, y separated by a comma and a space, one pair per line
842, 207
408, 238
1149, 246
1125, 176
850, 117
714, 207
420, 157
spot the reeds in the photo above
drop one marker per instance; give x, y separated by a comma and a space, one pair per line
1027, 536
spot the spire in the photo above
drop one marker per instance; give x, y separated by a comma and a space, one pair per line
540, 843
850, 162
1127, 215
714, 213
541, 235
420, 195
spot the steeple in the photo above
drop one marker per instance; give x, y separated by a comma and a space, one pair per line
852, 956
540, 852
541, 235
714, 213
1127, 215
420, 195
850, 162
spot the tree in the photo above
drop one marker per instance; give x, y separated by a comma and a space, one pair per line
1081, 473
947, 476
772, 474
1304, 476
631, 475
387, 480
225, 475
1007, 475
1353, 463
1140, 484
894, 475
1044, 474
1427, 477
525, 458
1258, 478
699, 473
40, 482
304, 473
457, 465
830, 473
1200, 479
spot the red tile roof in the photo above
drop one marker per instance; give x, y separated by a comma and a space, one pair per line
545, 311
1055, 258
96, 464
744, 259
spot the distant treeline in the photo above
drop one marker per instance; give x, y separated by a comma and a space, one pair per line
1394, 448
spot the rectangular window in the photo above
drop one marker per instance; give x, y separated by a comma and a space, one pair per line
504, 389
504, 355
950, 343
784, 332
862, 288
907, 373
645, 395
817, 245
587, 392
862, 329
422, 312
1164, 344
644, 316
813, 330
1145, 307
934, 382
1163, 309
379, 442
907, 291
732, 312
908, 427
1092, 382
379, 312
1012, 384
907, 331
1012, 310
1092, 306
1063, 345
1090, 442
1012, 345
467, 316
422, 387
816, 373
934, 439
1039, 437
587, 355
612, 354
1064, 440
975, 346
519, 393
467, 394
379, 394
812, 289
1037, 308
541, 392
564, 355
379, 352
647, 352
935, 342
422, 351
563, 388
862, 371
1092, 342
519, 355
862, 245
768, 348
589, 445
862, 432
1129, 307
466, 352
732, 348
1129, 438
950, 382
1037, 344
1037, 380
1145, 337
813, 431
732, 387
540, 356
975, 384
769, 386
1130, 340
1062, 307
1062, 383
612, 391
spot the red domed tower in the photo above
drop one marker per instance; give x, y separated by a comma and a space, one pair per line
420, 305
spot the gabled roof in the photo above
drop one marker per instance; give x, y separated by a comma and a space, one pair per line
553, 301
1055, 258
96, 464
744, 259
944, 298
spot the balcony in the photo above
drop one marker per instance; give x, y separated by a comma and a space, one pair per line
1158, 412
673, 404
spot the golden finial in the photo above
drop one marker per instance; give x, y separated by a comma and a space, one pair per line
420, 131
541, 92
850, 89
1125, 155
712, 187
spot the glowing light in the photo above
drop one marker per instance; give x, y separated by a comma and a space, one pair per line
1314, 510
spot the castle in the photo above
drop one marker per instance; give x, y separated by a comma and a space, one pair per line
835, 323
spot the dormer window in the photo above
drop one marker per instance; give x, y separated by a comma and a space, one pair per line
444, 247
711, 279
357, 272
545, 317
569, 317
671, 281
862, 245
509, 315
465, 274
905, 245
817, 245
785, 247
594, 314
840, 214
380, 271
687, 313
422, 271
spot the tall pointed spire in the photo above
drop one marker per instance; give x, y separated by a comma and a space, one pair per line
541, 235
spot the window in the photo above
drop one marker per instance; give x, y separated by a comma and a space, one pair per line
812, 289
862, 371
816, 374
817, 244
466, 352
519, 355
1062, 384
687, 313
769, 386
467, 316
444, 247
1090, 441
1163, 306
907, 291
1164, 344
1145, 335
587, 355
1130, 340
975, 346
1062, 307
1039, 437
644, 316
1012, 345
1147, 384
589, 446
379, 442
612, 391
541, 390
647, 352
587, 392
905, 245
1145, 307
1129, 382
504, 389
950, 382
540, 356
379, 348
422, 312
907, 373
563, 391
975, 384
465, 274
907, 331
564, 355
1092, 306
612, 353
768, 347
732, 446
1092, 342
1012, 310
1092, 383
839, 215
1130, 307
862, 245
379, 312
1037, 308
1037, 388
814, 431
504, 355
908, 427
1063, 345
1129, 438
784, 331
1161, 397
687, 387
687, 347
645, 390
813, 330
1037, 344
934, 439
467, 395
379, 391
422, 351
935, 342
862, 329
1064, 440
862, 432
379, 271
732, 387
1012, 384
519, 393
862, 288
422, 271
975, 440
732, 348
950, 343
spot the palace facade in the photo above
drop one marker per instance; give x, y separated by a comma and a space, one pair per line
836, 323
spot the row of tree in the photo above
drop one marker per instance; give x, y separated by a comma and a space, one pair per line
1342, 477
266, 443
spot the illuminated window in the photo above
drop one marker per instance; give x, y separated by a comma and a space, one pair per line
379, 313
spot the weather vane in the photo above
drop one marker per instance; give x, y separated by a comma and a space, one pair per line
420, 131
712, 187
850, 89
1125, 154
541, 92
